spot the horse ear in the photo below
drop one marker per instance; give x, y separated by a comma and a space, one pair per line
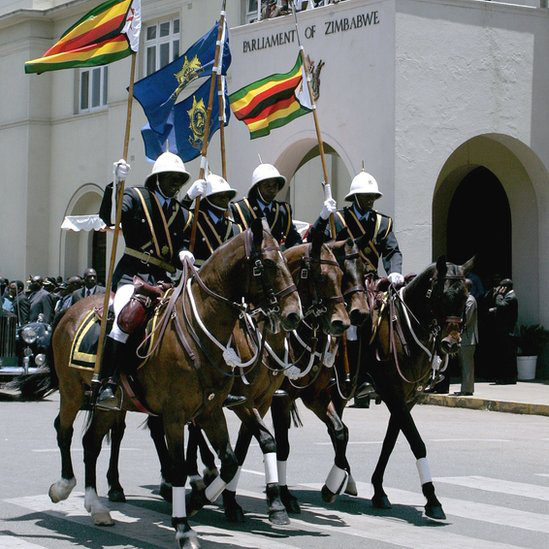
442, 269
318, 239
257, 232
468, 266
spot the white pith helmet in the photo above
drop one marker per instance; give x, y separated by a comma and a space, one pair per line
168, 163
216, 184
363, 183
267, 171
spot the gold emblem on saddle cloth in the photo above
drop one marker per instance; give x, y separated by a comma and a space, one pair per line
190, 71
197, 123
165, 251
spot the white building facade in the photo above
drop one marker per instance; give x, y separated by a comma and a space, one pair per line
443, 101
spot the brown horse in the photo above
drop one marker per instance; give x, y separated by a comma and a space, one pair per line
188, 377
401, 360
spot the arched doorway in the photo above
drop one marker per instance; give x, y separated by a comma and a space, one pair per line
305, 191
479, 223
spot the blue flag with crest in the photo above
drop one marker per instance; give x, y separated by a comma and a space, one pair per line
158, 92
184, 128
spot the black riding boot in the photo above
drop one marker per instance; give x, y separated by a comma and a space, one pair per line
113, 355
233, 400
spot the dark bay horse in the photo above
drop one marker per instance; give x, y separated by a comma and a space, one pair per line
318, 278
401, 357
188, 376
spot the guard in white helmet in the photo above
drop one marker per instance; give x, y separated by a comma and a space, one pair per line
373, 230
260, 202
153, 225
214, 224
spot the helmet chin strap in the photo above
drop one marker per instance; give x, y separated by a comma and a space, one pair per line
261, 197
160, 190
215, 206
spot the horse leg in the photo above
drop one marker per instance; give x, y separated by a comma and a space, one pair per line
280, 414
215, 427
207, 457
338, 476
185, 537
99, 426
156, 430
233, 511
116, 492
63, 423
433, 508
380, 499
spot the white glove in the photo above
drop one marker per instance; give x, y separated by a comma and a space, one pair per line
198, 188
186, 255
329, 207
396, 279
293, 372
121, 170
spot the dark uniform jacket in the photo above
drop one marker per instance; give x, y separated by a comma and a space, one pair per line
41, 301
375, 233
153, 238
79, 294
213, 229
21, 308
279, 218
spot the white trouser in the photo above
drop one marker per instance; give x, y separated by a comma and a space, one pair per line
122, 297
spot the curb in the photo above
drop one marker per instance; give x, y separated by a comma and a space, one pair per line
475, 403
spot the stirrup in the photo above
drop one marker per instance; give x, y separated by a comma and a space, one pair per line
107, 399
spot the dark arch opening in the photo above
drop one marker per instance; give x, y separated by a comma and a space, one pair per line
479, 222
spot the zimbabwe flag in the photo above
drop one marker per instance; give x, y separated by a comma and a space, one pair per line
107, 33
273, 101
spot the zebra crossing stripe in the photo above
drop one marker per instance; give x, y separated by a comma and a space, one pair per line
142, 524
14, 542
382, 529
496, 485
483, 512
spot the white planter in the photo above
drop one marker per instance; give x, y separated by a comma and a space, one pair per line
526, 367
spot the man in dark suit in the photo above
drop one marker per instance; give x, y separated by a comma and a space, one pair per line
16, 302
504, 315
267, 182
41, 301
90, 286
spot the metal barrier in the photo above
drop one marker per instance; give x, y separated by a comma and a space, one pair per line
8, 324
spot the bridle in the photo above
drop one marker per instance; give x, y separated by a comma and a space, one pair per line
449, 320
359, 287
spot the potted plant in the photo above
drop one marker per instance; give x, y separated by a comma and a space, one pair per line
530, 341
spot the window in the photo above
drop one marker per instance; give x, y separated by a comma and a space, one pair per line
161, 45
251, 11
94, 85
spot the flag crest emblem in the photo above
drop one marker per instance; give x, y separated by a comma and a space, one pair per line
190, 71
197, 123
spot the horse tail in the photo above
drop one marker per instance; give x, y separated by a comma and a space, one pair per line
40, 384
294, 413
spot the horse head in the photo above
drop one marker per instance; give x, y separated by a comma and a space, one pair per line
318, 277
446, 295
271, 288
346, 252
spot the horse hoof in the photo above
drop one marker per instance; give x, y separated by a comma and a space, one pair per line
279, 517
61, 489
289, 501
351, 489
381, 502
435, 512
234, 513
166, 491
327, 495
117, 495
186, 538
102, 518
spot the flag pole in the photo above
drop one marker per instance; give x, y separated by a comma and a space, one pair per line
119, 195
204, 151
325, 184
221, 94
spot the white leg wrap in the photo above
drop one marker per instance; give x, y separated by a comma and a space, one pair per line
423, 470
179, 509
234, 483
213, 491
337, 480
271, 470
281, 466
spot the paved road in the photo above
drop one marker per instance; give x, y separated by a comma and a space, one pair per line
491, 470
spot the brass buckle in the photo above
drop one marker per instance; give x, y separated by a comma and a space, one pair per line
146, 261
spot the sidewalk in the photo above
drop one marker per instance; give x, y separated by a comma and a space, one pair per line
526, 397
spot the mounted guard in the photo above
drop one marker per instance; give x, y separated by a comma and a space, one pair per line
153, 225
